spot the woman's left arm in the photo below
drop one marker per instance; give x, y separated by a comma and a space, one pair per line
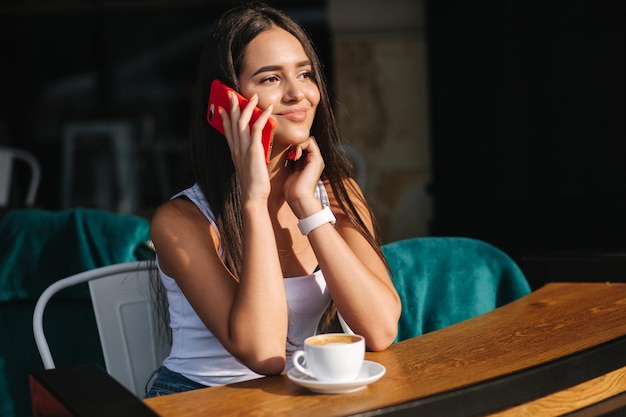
356, 275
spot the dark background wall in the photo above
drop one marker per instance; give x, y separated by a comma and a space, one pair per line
527, 104
75, 60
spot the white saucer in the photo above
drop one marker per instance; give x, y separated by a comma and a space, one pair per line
370, 372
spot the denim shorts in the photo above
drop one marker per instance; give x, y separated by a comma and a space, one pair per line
170, 382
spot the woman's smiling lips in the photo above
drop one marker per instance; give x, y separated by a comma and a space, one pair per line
295, 115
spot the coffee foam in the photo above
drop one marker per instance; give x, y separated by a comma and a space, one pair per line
326, 339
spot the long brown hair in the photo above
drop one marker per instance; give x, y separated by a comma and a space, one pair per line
212, 166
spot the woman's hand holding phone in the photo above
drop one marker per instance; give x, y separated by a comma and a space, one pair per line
220, 97
246, 150
240, 120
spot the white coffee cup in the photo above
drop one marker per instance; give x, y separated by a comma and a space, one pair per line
336, 357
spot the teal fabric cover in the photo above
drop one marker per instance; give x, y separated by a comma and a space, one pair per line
445, 280
37, 248
6, 407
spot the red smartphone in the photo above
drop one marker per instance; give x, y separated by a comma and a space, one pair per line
218, 97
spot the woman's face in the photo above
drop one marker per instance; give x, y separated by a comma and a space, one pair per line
277, 69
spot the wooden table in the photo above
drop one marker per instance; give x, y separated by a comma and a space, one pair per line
545, 352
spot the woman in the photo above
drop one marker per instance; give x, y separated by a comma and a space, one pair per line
245, 284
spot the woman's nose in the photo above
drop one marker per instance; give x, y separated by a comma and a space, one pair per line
293, 92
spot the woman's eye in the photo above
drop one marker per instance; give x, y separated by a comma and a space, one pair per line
308, 74
271, 79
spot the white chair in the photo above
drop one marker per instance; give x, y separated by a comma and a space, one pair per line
7, 156
132, 343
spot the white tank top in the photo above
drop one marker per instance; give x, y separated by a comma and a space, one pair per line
199, 356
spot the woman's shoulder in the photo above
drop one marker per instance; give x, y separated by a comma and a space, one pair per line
178, 211
186, 205
178, 229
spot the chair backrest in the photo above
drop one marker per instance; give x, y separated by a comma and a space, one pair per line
7, 157
445, 280
133, 346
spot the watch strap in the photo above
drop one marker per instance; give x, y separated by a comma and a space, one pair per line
315, 220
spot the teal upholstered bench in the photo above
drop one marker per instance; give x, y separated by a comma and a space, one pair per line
37, 248
445, 280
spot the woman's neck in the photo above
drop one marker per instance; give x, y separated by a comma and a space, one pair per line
279, 170
277, 180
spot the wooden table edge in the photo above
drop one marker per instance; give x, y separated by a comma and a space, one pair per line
517, 388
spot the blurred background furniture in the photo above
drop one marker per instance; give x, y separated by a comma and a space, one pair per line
133, 344
8, 158
445, 280
122, 152
171, 166
37, 248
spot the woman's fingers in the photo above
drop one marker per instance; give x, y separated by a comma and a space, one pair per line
229, 118
309, 146
237, 125
245, 115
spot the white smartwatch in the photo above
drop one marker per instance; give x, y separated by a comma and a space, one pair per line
315, 220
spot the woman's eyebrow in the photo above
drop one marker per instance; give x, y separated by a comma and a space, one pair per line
267, 68
270, 68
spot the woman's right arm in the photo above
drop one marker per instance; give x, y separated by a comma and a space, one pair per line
248, 317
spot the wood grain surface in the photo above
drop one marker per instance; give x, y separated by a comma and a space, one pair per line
572, 399
549, 324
